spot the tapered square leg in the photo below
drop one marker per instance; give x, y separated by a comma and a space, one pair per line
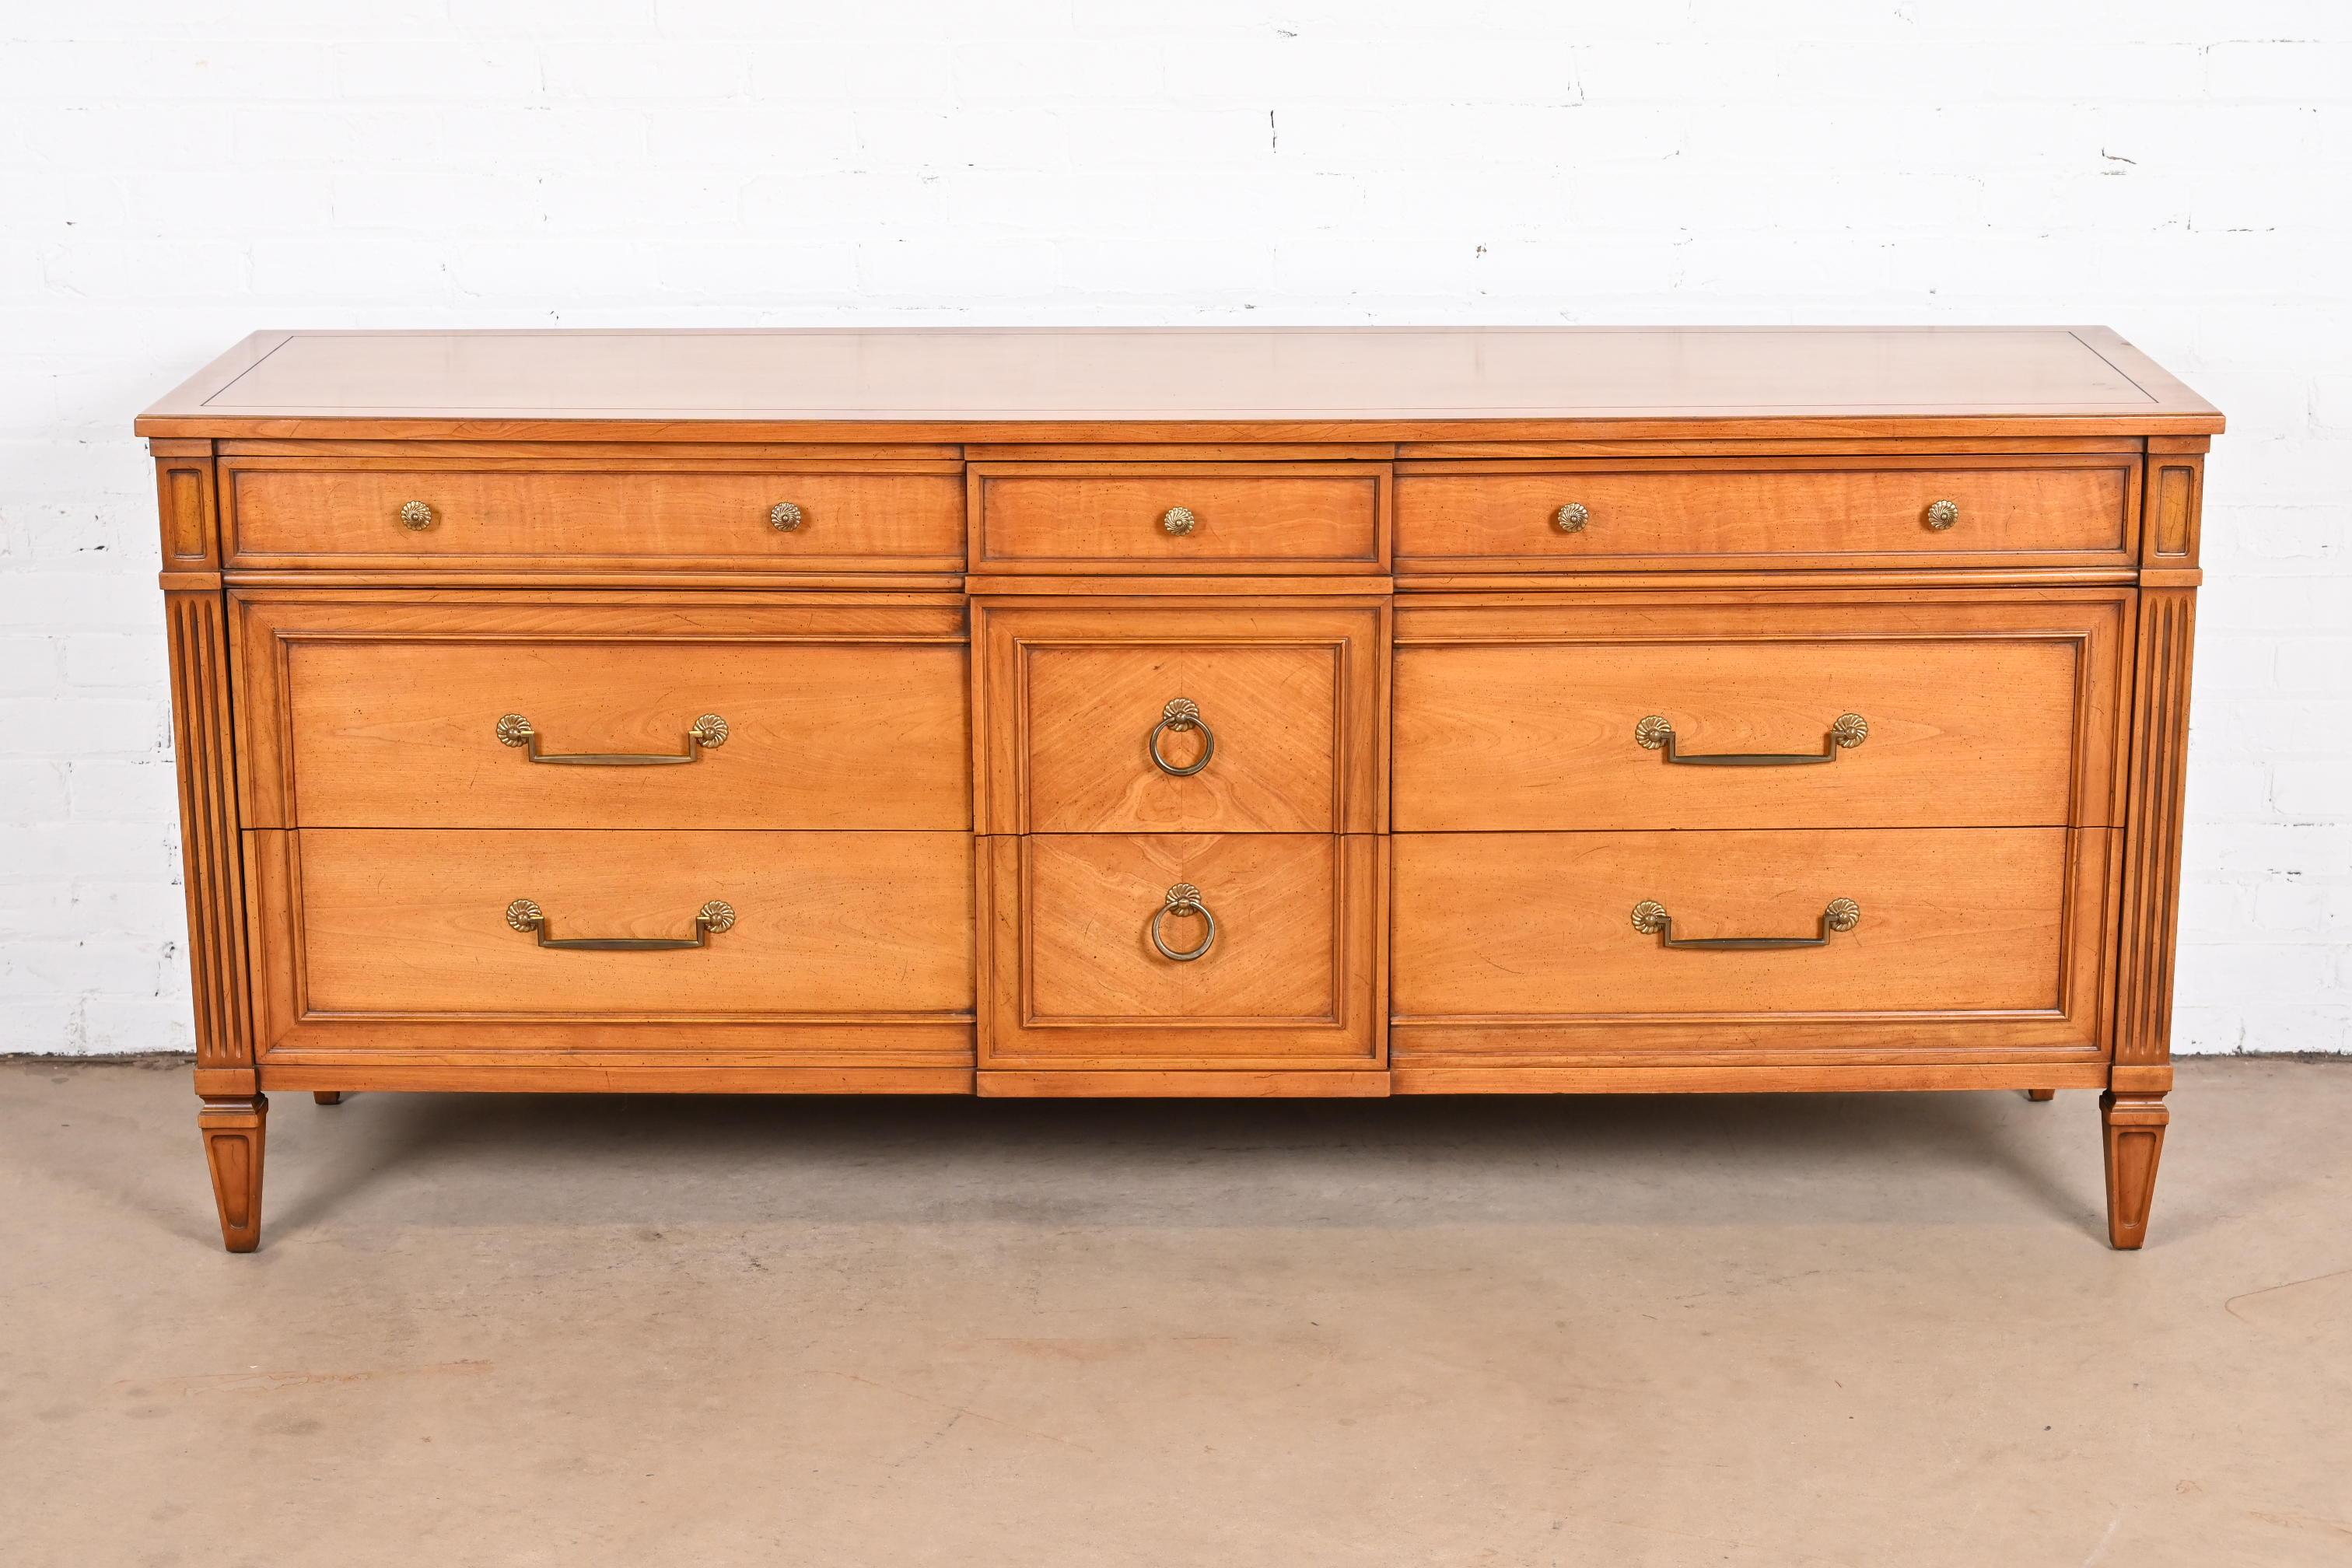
233, 1131
2134, 1129
328, 1096
2040, 1095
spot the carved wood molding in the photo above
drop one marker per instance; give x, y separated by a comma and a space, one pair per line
211, 852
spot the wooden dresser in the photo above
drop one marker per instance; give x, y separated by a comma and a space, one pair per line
1181, 712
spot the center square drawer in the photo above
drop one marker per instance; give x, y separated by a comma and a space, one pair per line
381, 937
654, 511
581, 710
1320, 517
1653, 514
1248, 714
1175, 950
1717, 946
1770, 709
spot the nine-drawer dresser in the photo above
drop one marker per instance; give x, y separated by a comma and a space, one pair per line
1168, 713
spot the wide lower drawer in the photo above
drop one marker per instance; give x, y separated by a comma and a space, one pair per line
881, 514
575, 710
1209, 716
1180, 517
1783, 711
1168, 951
1568, 946
1620, 514
561, 938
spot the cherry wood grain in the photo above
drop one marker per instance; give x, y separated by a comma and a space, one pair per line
1068, 691
1294, 976
1248, 517
1201, 383
408, 927
1984, 708
1522, 944
638, 512
383, 711
236, 1137
1837, 511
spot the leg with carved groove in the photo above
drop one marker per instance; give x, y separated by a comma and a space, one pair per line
2133, 1125
234, 1132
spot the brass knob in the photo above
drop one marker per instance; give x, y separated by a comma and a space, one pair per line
784, 515
1843, 914
417, 516
715, 915
1178, 520
1572, 516
1184, 898
1942, 514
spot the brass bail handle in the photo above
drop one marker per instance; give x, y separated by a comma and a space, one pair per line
1184, 898
706, 734
1649, 918
1846, 731
526, 916
1182, 713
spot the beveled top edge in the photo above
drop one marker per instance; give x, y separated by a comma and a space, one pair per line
1390, 383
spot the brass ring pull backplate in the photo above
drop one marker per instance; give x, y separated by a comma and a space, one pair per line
707, 733
1184, 898
1572, 518
416, 515
1649, 918
1942, 514
1182, 713
1178, 520
784, 516
1847, 732
717, 915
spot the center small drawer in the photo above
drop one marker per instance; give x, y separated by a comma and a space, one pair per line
575, 710
1227, 716
1180, 517
1971, 707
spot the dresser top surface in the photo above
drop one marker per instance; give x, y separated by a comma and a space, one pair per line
1387, 383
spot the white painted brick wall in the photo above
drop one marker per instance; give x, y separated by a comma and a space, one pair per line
172, 177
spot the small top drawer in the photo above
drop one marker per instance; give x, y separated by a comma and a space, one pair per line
1180, 517
520, 515
1767, 511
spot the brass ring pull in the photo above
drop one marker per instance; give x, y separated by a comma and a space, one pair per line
709, 733
1849, 731
1182, 713
1649, 918
1184, 898
715, 916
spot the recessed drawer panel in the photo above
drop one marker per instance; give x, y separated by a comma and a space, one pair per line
426, 926
1175, 950
482, 710
881, 514
1762, 512
1214, 716
1180, 517
1600, 711
1823, 941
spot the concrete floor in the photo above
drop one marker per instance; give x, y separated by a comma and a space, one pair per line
1854, 1330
